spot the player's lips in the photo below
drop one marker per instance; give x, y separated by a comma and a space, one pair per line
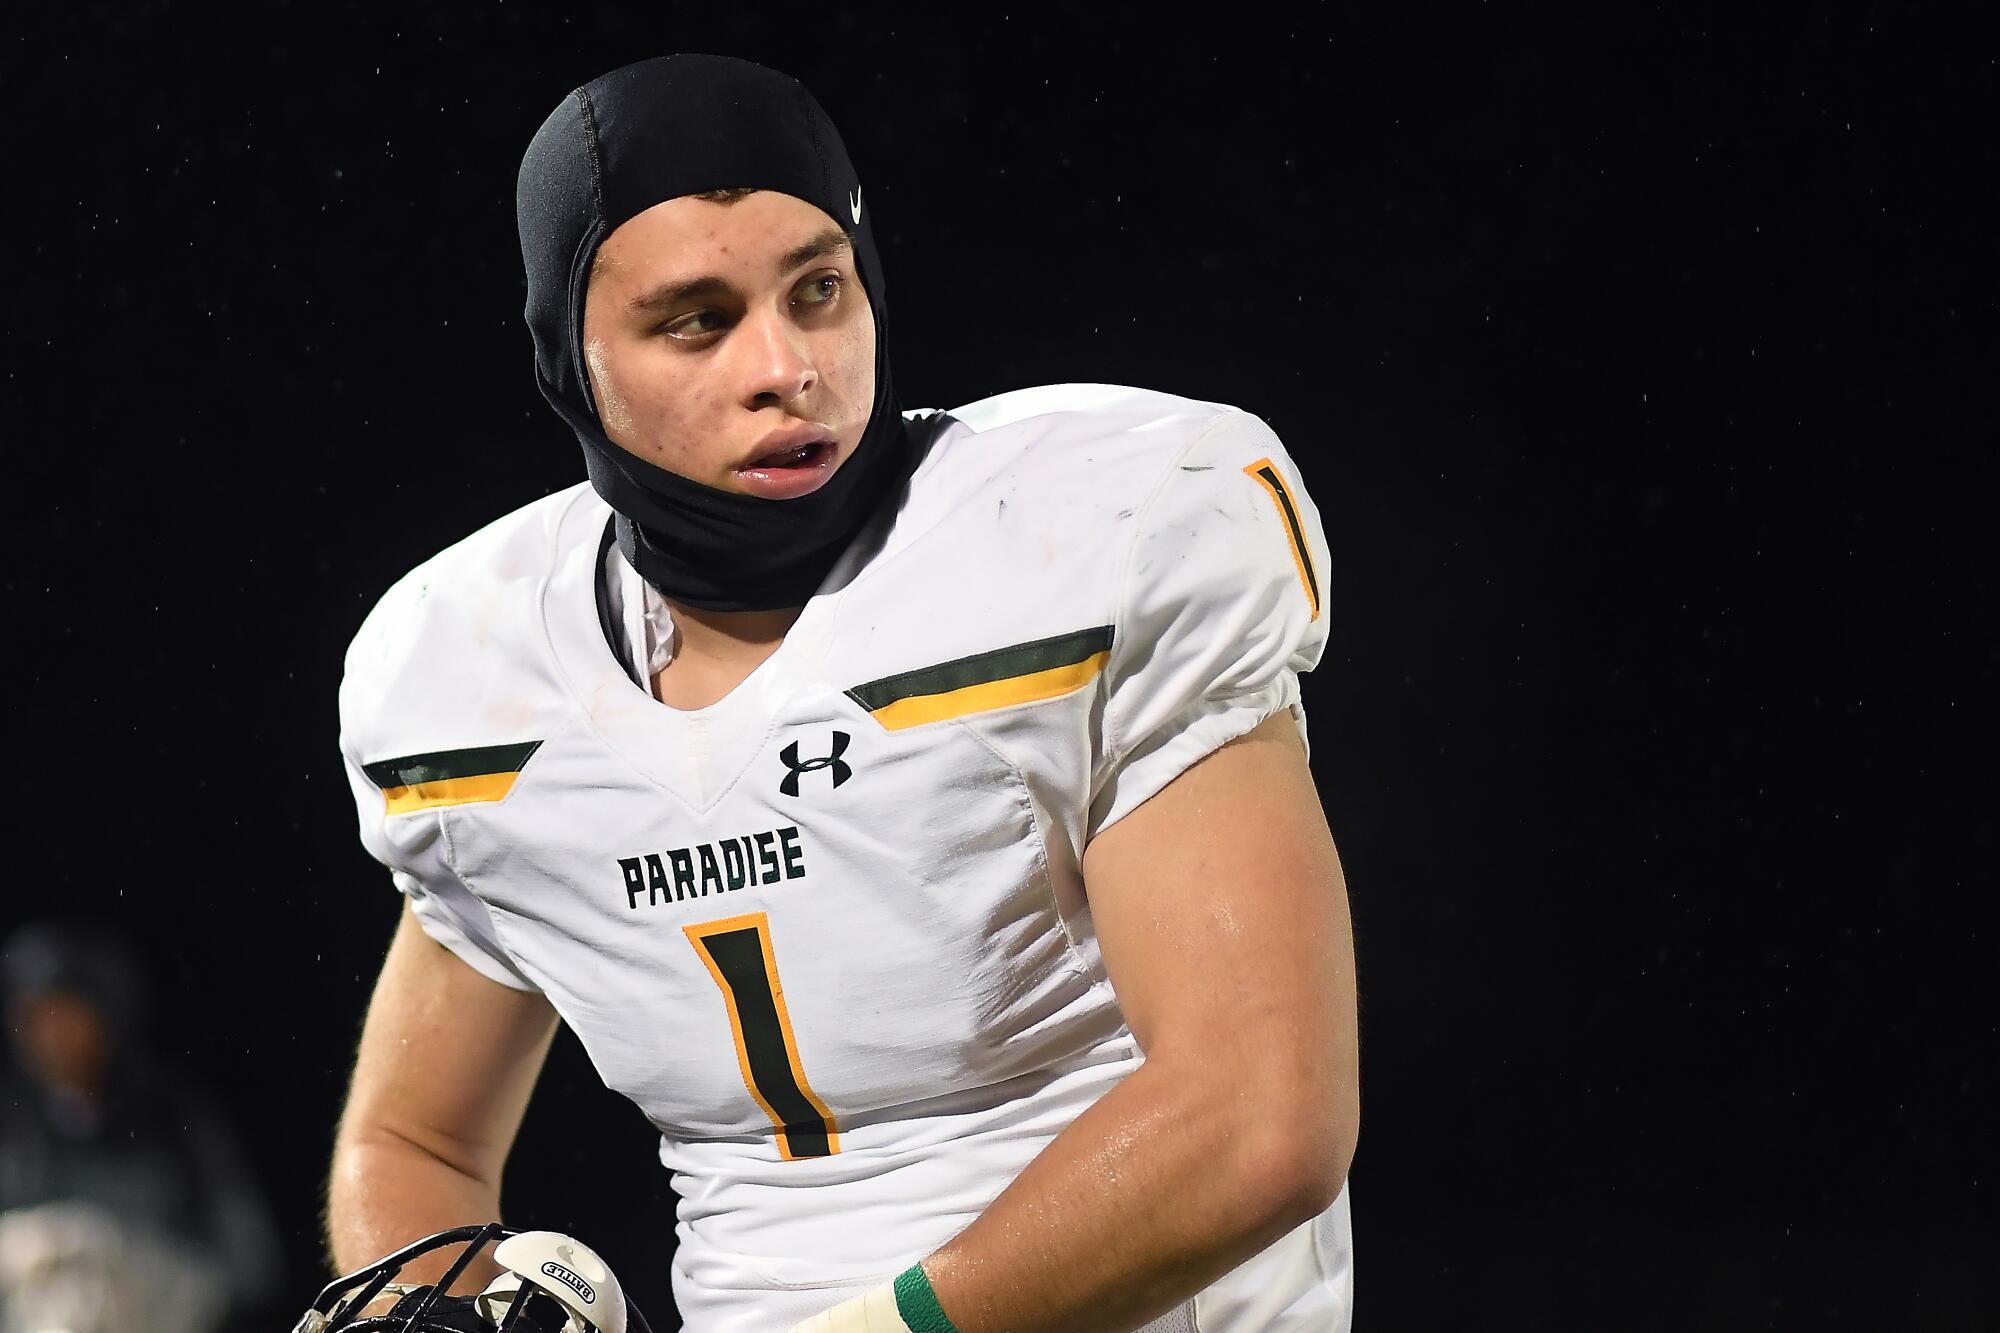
791, 462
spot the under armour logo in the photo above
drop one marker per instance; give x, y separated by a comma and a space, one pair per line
854, 206
790, 754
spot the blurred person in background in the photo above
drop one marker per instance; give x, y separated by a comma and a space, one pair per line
125, 1203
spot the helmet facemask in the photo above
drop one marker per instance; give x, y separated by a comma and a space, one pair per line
549, 1284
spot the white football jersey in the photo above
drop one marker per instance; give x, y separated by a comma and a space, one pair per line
830, 933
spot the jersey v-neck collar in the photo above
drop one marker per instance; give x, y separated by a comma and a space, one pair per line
695, 754
699, 754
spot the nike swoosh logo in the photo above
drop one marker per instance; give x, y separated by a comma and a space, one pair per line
854, 203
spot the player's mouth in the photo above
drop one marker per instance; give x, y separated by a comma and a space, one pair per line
789, 464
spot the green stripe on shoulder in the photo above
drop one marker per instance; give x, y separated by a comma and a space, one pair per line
445, 765
1021, 659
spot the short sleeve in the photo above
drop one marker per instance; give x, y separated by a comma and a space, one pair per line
416, 851
1220, 610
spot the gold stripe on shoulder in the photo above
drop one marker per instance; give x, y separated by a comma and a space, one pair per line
1265, 473
449, 777
1033, 687
447, 791
1019, 673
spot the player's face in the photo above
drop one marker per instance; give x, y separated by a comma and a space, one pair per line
732, 343
61, 1038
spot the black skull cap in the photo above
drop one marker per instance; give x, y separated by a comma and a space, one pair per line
655, 130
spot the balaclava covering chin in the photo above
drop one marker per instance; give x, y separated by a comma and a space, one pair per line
653, 131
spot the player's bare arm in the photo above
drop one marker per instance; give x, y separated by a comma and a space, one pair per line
1223, 918
448, 1060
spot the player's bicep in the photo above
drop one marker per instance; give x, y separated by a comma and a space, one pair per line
448, 1057
1222, 915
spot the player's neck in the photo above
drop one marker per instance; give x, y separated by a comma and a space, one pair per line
715, 650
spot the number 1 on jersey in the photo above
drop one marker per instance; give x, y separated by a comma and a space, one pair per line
737, 953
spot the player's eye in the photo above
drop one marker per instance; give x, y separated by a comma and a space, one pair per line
820, 290
695, 324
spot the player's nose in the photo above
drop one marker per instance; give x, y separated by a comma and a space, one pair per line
777, 363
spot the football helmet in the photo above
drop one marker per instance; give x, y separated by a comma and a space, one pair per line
551, 1284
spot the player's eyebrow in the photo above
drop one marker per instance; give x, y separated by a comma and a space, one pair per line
828, 243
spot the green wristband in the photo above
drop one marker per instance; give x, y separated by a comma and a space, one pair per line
918, 1304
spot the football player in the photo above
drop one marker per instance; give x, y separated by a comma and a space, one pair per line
908, 810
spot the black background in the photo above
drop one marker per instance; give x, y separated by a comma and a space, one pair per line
1633, 365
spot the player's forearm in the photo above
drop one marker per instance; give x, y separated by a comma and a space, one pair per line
1168, 1182
386, 1192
